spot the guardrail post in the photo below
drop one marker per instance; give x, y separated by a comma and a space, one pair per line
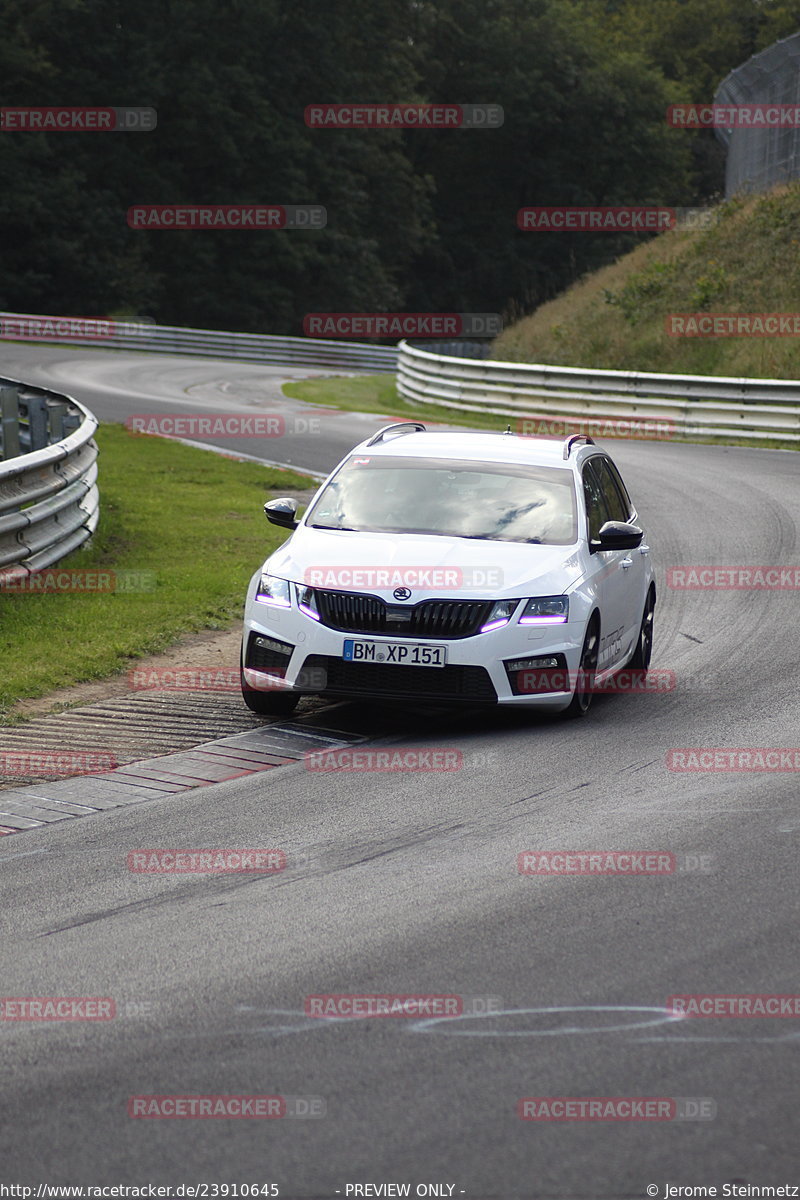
57, 411
9, 422
37, 421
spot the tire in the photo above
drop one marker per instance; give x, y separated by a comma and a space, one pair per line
267, 704
270, 704
644, 646
582, 699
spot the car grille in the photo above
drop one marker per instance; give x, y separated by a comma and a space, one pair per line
379, 679
352, 612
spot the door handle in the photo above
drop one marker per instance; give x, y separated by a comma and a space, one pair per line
625, 563
644, 549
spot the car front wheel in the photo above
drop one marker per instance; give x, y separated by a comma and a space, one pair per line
269, 703
584, 685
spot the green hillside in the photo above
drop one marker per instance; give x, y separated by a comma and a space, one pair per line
747, 262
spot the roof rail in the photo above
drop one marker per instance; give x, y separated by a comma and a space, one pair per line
576, 437
406, 426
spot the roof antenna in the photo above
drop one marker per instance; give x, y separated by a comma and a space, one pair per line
507, 429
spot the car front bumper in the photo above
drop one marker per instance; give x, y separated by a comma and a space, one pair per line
311, 662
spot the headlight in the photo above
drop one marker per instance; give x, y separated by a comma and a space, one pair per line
307, 601
546, 610
501, 614
274, 591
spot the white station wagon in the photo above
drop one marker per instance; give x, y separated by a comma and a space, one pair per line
478, 568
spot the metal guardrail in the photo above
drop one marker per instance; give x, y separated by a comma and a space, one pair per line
690, 405
49, 503
206, 343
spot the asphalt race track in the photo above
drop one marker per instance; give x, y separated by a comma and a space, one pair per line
121, 385
408, 883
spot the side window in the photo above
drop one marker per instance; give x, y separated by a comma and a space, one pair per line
615, 505
621, 488
596, 512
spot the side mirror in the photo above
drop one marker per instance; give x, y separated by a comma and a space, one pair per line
282, 512
618, 535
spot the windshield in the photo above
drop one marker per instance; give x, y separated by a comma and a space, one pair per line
494, 501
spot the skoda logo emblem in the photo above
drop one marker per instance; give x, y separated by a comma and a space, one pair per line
402, 593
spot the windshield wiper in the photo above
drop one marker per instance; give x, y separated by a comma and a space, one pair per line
489, 537
337, 528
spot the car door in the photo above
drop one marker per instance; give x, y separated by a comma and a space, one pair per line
611, 567
632, 569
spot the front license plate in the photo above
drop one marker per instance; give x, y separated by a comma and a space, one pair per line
405, 654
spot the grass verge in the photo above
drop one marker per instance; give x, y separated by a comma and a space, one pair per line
190, 519
378, 394
747, 261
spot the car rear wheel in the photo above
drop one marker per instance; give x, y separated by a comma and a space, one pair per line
584, 685
644, 646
